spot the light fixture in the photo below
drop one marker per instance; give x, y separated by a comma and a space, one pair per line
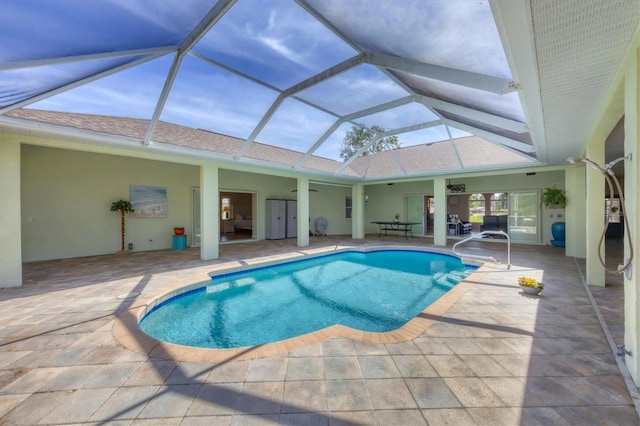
609, 175
366, 200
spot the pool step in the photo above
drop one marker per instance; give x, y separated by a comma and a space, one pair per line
453, 277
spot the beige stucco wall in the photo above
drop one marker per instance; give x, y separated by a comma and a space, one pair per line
387, 200
67, 195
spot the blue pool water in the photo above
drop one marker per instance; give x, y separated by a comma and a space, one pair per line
370, 291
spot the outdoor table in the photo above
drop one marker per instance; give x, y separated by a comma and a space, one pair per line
396, 227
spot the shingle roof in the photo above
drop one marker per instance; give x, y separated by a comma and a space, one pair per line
468, 152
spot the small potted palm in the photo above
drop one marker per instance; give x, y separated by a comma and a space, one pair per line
123, 207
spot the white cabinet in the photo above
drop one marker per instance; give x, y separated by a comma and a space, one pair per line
276, 215
281, 219
292, 222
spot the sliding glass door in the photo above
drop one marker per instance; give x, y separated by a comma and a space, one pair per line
415, 213
523, 216
196, 216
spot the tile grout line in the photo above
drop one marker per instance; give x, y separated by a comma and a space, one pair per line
628, 381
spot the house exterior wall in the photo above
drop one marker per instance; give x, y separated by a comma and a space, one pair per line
327, 201
66, 195
387, 200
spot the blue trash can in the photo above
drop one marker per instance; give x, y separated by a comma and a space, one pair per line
180, 242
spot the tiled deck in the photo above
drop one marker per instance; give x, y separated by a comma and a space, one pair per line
496, 356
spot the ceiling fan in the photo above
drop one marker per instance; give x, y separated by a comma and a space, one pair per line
457, 187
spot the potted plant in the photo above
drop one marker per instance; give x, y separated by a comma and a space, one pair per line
178, 230
397, 217
556, 198
530, 285
123, 207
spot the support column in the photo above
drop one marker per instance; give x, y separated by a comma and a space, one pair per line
595, 213
10, 219
440, 211
574, 183
303, 212
631, 182
357, 211
209, 212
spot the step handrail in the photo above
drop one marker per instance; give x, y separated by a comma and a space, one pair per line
479, 237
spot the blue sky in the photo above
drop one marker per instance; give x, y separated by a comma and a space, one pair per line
274, 42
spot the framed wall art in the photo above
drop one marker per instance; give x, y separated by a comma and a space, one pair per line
148, 201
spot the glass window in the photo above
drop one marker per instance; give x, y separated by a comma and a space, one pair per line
476, 208
347, 207
524, 217
500, 204
226, 208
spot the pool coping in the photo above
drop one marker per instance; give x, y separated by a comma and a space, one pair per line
127, 332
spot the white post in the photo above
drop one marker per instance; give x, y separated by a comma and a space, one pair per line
440, 211
10, 220
595, 214
575, 219
632, 180
357, 211
303, 212
209, 212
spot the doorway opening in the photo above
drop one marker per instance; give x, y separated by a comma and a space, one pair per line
238, 218
420, 210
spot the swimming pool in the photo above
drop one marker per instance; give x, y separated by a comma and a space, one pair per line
371, 291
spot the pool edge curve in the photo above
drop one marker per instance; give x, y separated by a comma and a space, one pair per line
127, 332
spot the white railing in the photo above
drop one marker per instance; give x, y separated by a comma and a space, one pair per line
479, 237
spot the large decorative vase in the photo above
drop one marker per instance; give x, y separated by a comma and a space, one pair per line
557, 230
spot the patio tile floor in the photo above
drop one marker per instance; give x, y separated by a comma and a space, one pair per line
496, 356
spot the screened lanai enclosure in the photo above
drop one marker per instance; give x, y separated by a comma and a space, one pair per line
464, 86
285, 79
461, 84
224, 105
279, 75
